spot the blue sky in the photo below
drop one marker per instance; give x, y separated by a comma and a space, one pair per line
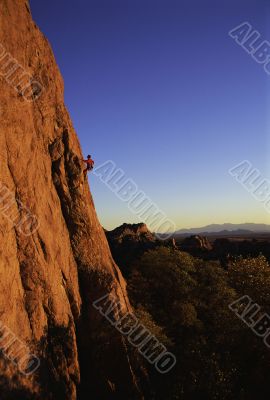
160, 88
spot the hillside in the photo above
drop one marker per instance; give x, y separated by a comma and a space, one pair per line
226, 228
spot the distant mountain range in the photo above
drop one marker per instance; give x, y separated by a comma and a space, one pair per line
227, 228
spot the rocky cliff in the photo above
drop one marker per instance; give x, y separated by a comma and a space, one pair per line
55, 266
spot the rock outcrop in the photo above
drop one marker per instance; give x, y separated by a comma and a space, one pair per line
51, 274
130, 241
196, 244
134, 232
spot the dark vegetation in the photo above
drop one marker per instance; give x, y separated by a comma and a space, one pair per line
184, 301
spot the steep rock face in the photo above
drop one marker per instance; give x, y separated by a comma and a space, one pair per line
50, 278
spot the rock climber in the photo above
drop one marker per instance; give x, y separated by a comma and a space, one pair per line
89, 165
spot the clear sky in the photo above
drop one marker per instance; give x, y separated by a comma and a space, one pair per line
160, 88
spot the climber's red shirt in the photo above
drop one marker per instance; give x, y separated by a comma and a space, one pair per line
90, 163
